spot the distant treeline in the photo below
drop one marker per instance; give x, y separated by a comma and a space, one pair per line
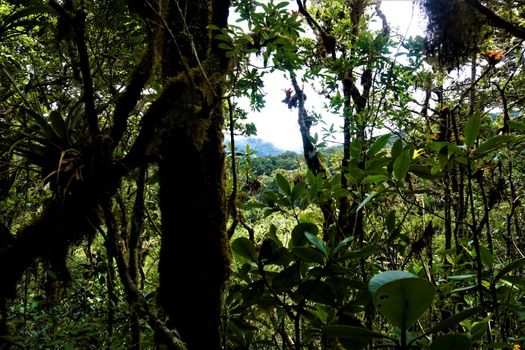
266, 165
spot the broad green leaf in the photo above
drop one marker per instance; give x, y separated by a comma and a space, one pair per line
281, 5
308, 254
272, 234
298, 190
436, 146
401, 165
340, 286
509, 267
463, 289
351, 332
391, 220
454, 320
383, 278
355, 174
59, 125
486, 256
472, 130
343, 245
492, 144
286, 279
479, 329
451, 342
370, 179
361, 253
376, 165
423, 171
298, 237
272, 253
225, 46
319, 315
461, 277
355, 148
397, 147
367, 199
319, 244
401, 296
243, 247
516, 125
269, 197
283, 184
378, 144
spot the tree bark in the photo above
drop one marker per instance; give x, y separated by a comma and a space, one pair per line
194, 258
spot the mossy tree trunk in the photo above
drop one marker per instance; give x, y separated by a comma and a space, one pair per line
182, 130
194, 258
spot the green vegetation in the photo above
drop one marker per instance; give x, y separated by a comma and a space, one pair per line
261, 147
266, 165
125, 222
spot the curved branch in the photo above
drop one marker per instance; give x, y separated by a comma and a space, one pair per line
127, 101
150, 122
496, 21
328, 41
311, 21
380, 14
72, 218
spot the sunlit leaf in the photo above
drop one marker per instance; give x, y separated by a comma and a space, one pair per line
509, 267
298, 233
516, 125
492, 144
472, 130
370, 179
378, 144
455, 319
401, 296
283, 184
401, 165
486, 256
245, 248
319, 244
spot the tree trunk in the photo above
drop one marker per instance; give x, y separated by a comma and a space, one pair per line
194, 257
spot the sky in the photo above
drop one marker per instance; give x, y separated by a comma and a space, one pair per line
278, 125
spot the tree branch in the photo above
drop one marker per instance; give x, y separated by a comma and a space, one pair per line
75, 21
328, 41
150, 123
496, 21
127, 101
130, 287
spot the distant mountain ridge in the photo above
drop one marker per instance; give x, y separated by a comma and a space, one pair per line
263, 148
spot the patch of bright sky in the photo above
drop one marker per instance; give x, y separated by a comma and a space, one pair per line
278, 125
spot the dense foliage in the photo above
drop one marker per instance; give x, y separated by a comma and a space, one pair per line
127, 221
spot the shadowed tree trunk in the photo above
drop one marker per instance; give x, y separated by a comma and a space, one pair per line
182, 130
310, 153
194, 258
